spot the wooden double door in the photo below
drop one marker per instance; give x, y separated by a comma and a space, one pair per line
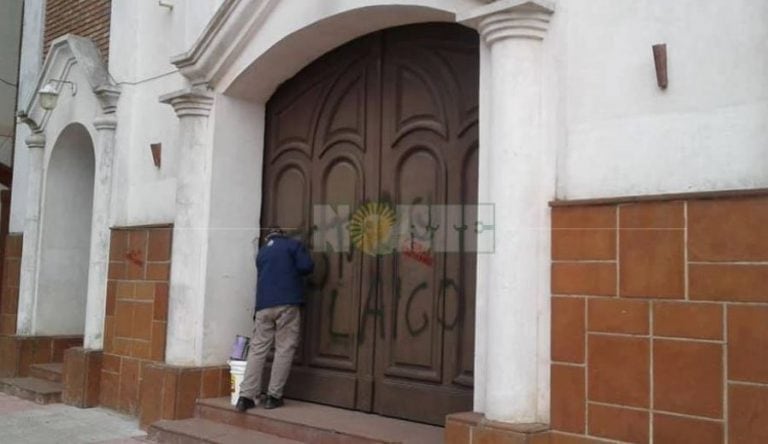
389, 117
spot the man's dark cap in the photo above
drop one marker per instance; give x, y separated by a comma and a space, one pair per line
275, 231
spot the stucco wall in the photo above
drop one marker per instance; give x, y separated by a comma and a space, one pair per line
625, 136
66, 234
145, 36
10, 33
29, 68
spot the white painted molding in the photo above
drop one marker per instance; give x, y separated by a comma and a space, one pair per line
504, 19
105, 122
66, 51
35, 140
189, 102
234, 22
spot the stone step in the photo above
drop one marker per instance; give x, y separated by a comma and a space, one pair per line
196, 430
315, 423
51, 372
38, 390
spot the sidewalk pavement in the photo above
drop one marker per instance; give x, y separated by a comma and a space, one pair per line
25, 422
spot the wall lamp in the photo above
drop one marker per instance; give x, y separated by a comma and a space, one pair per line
49, 94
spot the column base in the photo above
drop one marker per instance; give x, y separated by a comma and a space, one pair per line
471, 427
171, 392
19, 353
82, 377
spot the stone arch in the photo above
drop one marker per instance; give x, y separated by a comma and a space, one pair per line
66, 234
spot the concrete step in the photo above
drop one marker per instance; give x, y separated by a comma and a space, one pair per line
315, 423
51, 372
38, 390
196, 430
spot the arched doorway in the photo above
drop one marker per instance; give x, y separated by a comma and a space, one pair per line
65, 234
390, 117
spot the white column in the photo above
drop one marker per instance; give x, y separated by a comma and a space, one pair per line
190, 231
29, 253
515, 174
98, 263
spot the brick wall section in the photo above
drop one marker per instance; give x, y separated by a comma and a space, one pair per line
136, 312
660, 321
86, 18
171, 392
9, 296
19, 353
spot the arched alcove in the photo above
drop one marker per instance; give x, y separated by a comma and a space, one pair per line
65, 234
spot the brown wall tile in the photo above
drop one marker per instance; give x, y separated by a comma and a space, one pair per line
125, 289
61, 343
688, 377
209, 386
592, 278
651, 263
583, 244
618, 316
82, 373
161, 302
128, 398
34, 350
159, 248
158, 341
226, 382
568, 398
190, 380
748, 343
653, 215
457, 433
109, 334
111, 298
618, 423
618, 369
688, 320
170, 391
568, 329
142, 321
111, 363
118, 245
109, 390
561, 438
668, 429
158, 271
151, 395
145, 291
9, 356
13, 244
747, 414
728, 229
124, 318
598, 216
729, 282
141, 349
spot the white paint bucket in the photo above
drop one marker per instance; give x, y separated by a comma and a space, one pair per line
236, 375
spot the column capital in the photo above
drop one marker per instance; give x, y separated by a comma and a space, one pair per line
190, 102
35, 140
504, 19
107, 96
105, 122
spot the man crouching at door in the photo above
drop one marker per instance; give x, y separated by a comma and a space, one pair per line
281, 264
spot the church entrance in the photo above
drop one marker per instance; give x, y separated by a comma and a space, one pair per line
387, 121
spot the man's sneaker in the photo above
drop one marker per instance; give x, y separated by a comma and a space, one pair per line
273, 403
244, 404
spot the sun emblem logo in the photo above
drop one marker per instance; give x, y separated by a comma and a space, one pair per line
370, 228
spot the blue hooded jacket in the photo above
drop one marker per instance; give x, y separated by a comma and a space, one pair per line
281, 264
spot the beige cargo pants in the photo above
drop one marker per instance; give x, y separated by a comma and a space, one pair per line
282, 325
